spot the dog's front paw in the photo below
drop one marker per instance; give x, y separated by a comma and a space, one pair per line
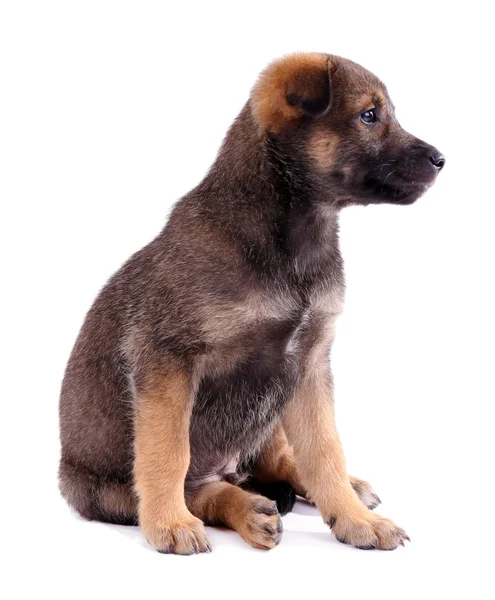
185, 535
368, 532
261, 525
365, 492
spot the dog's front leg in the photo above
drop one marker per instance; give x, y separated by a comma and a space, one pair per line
161, 446
310, 427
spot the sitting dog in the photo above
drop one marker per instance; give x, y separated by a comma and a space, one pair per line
199, 389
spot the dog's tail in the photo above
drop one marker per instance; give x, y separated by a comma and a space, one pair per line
98, 498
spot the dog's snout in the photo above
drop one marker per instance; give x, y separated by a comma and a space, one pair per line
437, 159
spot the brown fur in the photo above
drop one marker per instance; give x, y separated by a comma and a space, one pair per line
203, 364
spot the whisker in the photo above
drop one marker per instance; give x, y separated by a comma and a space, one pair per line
386, 163
385, 180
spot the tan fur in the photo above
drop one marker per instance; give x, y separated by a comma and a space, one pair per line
276, 462
365, 492
310, 427
367, 101
322, 147
360, 103
254, 517
282, 77
161, 463
224, 321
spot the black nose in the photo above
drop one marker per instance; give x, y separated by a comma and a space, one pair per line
438, 160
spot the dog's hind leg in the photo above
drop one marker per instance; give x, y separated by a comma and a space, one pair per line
254, 517
276, 465
97, 497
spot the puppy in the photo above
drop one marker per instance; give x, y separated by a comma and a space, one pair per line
204, 361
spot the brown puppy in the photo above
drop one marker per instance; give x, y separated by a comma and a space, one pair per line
205, 359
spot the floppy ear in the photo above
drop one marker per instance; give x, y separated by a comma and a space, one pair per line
295, 86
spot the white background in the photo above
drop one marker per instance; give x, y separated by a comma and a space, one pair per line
109, 112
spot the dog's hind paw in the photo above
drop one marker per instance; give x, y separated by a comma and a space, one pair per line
280, 491
365, 492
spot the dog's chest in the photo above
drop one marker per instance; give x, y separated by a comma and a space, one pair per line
252, 375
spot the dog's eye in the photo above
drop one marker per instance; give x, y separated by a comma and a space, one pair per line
369, 117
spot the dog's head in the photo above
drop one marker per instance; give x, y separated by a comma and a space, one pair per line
340, 122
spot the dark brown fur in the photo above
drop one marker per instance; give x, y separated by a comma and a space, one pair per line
216, 335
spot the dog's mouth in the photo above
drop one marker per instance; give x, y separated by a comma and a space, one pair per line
399, 183
393, 181
396, 191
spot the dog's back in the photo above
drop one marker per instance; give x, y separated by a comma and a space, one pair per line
201, 292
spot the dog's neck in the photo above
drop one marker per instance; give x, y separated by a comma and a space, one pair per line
258, 191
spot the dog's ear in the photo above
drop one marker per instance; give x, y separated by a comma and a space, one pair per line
295, 86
